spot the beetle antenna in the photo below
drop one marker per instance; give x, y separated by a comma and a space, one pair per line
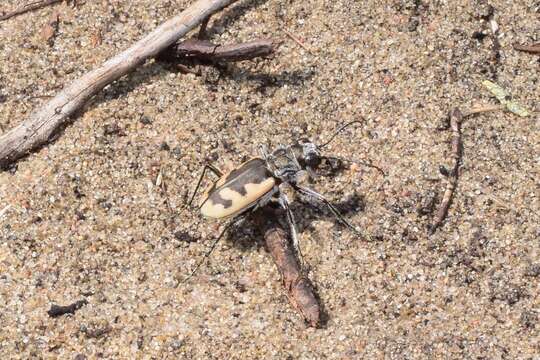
368, 164
338, 131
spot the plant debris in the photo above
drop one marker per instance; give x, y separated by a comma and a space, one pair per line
533, 49
29, 7
58, 310
456, 117
297, 286
503, 96
195, 50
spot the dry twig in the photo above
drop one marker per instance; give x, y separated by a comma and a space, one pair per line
204, 51
29, 7
482, 109
298, 41
533, 49
297, 286
5, 210
45, 121
456, 118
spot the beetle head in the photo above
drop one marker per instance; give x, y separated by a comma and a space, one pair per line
309, 154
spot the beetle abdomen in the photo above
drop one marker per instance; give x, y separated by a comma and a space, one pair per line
238, 190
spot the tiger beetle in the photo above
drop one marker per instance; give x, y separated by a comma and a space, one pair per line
257, 181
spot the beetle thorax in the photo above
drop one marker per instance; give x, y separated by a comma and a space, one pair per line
311, 154
282, 163
308, 154
293, 163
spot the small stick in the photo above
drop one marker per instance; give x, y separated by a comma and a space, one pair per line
28, 7
57, 310
456, 118
482, 109
5, 210
202, 28
533, 49
205, 51
297, 286
297, 40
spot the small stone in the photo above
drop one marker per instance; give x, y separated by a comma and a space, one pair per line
113, 129
177, 344
145, 120
479, 35
533, 270
528, 319
177, 152
184, 236
164, 146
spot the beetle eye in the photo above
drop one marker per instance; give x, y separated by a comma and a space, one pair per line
313, 161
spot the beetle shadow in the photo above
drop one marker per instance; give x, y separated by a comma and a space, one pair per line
313, 211
248, 235
261, 81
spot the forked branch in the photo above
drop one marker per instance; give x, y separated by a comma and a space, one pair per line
205, 51
39, 127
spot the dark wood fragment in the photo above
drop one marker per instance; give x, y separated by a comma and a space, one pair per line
533, 49
58, 310
298, 288
207, 52
456, 117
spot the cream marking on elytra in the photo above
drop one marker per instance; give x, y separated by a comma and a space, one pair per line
228, 177
238, 202
253, 171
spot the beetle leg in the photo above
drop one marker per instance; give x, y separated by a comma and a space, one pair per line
231, 223
210, 167
284, 202
293, 157
263, 150
268, 158
313, 194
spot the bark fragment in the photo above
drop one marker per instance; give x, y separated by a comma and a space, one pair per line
456, 117
299, 289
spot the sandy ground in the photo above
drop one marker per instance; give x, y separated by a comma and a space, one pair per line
85, 219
